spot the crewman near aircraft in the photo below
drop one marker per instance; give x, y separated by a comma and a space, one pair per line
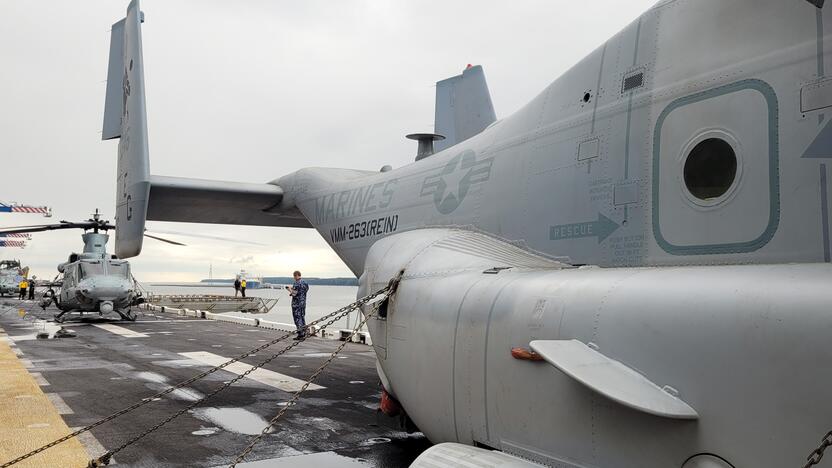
32, 288
243, 287
237, 287
298, 293
23, 286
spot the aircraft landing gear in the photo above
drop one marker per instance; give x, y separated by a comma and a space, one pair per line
47, 299
126, 315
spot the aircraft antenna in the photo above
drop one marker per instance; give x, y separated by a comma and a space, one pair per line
425, 143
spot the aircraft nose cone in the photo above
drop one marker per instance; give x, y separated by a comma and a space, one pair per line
106, 289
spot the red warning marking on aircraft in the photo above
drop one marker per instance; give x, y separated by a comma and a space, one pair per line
29, 209
10, 243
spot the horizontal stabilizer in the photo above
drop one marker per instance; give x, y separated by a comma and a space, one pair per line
219, 202
611, 378
463, 107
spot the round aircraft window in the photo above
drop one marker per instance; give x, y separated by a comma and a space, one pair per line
710, 169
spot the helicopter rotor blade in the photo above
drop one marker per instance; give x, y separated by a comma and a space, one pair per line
165, 240
205, 236
45, 227
53, 227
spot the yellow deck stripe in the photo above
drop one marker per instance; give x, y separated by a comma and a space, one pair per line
28, 419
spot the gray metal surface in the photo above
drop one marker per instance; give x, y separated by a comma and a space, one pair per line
739, 344
449, 454
463, 107
212, 302
611, 378
133, 168
720, 300
219, 202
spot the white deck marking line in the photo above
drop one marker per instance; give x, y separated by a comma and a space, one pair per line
92, 445
151, 322
59, 403
264, 376
16, 338
39, 379
125, 332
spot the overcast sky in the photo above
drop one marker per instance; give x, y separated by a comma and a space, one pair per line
251, 90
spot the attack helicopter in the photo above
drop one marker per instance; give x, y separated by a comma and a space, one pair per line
10, 274
93, 280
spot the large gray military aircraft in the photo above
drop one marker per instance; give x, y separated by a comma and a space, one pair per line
630, 271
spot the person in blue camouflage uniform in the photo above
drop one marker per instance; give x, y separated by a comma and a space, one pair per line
298, 293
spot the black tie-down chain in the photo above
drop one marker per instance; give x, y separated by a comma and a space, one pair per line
338, 313
309, 381
104, 459
817, 454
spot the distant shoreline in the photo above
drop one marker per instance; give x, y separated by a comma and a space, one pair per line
280, 280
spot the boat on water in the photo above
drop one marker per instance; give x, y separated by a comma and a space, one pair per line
252, 282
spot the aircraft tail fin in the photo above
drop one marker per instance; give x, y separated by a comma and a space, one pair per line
140, 196
125, 117
463, 107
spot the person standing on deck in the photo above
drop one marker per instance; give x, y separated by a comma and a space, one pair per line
32, 289
236, 286
243, 287
298, 293
23, 285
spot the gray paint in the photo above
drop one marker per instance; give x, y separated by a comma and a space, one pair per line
819, 17
824, 211
596, 93
732, 326
774, 175
463, 107
744, 382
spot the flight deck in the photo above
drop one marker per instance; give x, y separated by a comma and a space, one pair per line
52, 385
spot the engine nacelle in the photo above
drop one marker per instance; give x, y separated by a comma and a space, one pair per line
708, 354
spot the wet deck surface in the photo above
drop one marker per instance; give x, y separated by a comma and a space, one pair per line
103, 369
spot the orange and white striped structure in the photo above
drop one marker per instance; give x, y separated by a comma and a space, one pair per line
18, 208
13, 243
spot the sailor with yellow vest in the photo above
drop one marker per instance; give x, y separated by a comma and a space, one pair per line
24, 285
